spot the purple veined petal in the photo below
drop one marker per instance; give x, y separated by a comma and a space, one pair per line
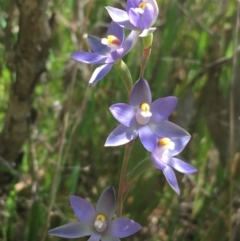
179, 143
171, 178
130, 42
106, 203
132, 4
72, 230
148, 139
146, 32
83, 209
156, 10
106, 237
95, 236
116, 30
162, 108
99, 73
141, 20
115, 55
141, 93
181, 166
123, 227
124, 114
121, 135
120, 17
89, 58
97, 46
157, 161
167, 129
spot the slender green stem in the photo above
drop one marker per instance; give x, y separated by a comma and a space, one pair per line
145, 56
122, 181
147, 45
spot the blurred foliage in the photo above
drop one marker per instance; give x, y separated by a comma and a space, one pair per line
190, 35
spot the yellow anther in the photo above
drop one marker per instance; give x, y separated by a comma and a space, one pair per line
164, 142
142, 5
101, 217
145, 107
113, 40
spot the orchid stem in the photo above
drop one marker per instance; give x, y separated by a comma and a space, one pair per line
122, 181
145, 56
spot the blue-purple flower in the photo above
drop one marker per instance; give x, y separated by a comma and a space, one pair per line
97, 223
163, 159
144, 118
106, 51
140, 15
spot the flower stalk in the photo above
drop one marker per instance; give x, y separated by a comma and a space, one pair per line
122, 179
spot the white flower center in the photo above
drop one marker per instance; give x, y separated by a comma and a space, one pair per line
143, 113
167, 144
111, 41
100, 223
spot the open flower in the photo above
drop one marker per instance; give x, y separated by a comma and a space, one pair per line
106, 51
97, 223
143, 117
140, 16
163, 159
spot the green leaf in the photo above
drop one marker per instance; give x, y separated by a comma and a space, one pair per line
36, 220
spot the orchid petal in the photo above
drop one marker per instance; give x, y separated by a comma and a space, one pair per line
167, 129
120, 17
95, 236
148, 139
106, 237
72, 230
83, 209
141, 93
115, 55
124, 114
181, 166
121, 135
132, 4
88, 57
179, 144
115, 30
146, 32
97, 46
130, 42
171, 178
123, 227
141, 20
157, 161
162, 108
99, 73
156, 10
106, 204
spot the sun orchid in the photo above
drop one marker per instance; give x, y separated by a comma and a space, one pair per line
97, 223
106, 51
140, 16
163, 159
144, 118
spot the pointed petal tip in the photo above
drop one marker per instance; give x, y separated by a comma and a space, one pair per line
123, 227
106, 203
72, 230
